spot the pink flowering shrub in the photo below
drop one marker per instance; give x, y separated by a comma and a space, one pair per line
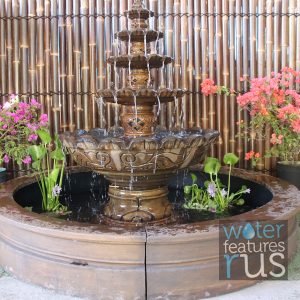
19, 122
275, 103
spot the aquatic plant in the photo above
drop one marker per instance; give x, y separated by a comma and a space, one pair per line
214, 196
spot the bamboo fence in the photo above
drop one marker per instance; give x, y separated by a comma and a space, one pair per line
56, 51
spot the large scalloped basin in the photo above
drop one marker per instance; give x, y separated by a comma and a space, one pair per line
143, 155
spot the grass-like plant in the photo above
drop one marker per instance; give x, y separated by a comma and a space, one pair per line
214, 196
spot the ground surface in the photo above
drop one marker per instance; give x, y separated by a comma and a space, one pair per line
13, 289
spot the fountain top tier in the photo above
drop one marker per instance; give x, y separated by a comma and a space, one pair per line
138, 94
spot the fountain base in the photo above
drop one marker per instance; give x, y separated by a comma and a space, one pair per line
138, 206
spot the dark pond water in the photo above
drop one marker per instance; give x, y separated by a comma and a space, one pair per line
85, 194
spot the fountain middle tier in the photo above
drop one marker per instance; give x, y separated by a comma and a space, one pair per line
145, 96
138, 61
138, 35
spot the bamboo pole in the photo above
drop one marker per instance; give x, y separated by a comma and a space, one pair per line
108, 53
234, 64
211, 69
236, 82
225, 71
62, 67
245, 9
16, 54
298, 44
100, 58
9, 46
85, 68
92, 62
261, 52
277, 34
162, 73
54, 68
32, 47
292, 35
252, 50
47, 31
219, 46
191, 68
269, 67
177, 54
70, 66
40, 63
204, 61
3, 81
76, 63
284, 31
169, 51
184, 57
24, 48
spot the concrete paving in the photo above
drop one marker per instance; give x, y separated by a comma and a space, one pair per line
13, 289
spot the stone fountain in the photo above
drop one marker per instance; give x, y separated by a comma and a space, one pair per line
139, 159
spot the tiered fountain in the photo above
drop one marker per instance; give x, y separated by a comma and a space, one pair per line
99, 260
139, 161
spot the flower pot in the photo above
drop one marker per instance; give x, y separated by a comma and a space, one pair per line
2, 175
290, 172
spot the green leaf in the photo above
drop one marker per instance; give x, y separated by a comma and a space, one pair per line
57, 154
240, 202
44, 136
36, 164
36, 152
57, 141
194, 177
54, 175
230, 159
212, 165
187, 189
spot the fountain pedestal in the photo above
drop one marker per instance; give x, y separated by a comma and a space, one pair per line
138, 206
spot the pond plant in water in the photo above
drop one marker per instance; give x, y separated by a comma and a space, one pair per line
49, 165
214, 196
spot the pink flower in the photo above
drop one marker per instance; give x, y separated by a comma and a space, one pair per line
32, 137
252, 155
44, 119
27, 160
208, 87
296, 126
33, 127
6, 158
35, 103
5, 126
249, 155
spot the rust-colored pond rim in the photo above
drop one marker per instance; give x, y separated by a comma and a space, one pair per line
114, 262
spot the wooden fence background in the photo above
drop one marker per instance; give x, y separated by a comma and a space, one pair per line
56, 51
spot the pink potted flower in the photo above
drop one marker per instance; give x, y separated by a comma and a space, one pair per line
273, 102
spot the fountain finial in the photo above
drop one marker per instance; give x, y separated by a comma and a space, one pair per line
138, 4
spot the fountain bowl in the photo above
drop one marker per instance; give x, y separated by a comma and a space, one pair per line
98, 261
